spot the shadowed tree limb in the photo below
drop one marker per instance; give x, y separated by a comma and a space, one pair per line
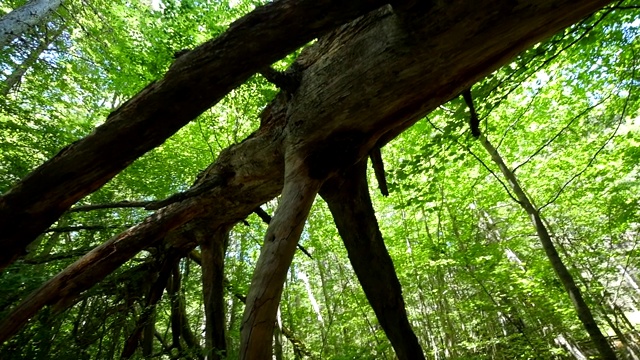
286, 80
474, 121
378, 169
347, 195
116, 205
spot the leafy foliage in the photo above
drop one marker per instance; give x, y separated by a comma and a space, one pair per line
475, 280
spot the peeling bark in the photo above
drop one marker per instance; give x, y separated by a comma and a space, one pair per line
348, 198
358, 89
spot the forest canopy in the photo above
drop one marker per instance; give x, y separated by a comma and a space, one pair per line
476, 165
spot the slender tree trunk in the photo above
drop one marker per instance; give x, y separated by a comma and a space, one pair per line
393, 60
16, 76
213, 248
583, 310
15, 23
348, 198
277, 338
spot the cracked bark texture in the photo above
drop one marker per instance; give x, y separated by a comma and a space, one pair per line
361, 85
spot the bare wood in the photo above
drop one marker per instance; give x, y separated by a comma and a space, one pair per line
274, 261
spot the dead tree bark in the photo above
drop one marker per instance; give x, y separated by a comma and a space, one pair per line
348, 198
144, 122
213, 248
15, 23
280, 244
358, 88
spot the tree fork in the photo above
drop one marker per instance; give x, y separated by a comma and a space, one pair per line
347, 195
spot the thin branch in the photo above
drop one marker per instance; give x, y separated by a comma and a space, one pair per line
553, 138
513, 123
85, 227
593, 158
479, 160
213, 155
546, 61
267, 219
629, 7
41, 259
115, 205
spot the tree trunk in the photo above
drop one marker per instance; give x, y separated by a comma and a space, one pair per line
563, 274
213, 247
16, 75
15, 23
147, 315
280, 243
348, 198
144, 122
358, 88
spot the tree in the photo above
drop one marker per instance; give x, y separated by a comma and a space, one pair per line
301, 140
13, 24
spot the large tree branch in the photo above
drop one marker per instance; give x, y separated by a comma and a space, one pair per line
213, 245
196, 81
347, 195
361, 90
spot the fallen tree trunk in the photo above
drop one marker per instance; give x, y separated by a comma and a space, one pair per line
144, 122
360, 86
18, 21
